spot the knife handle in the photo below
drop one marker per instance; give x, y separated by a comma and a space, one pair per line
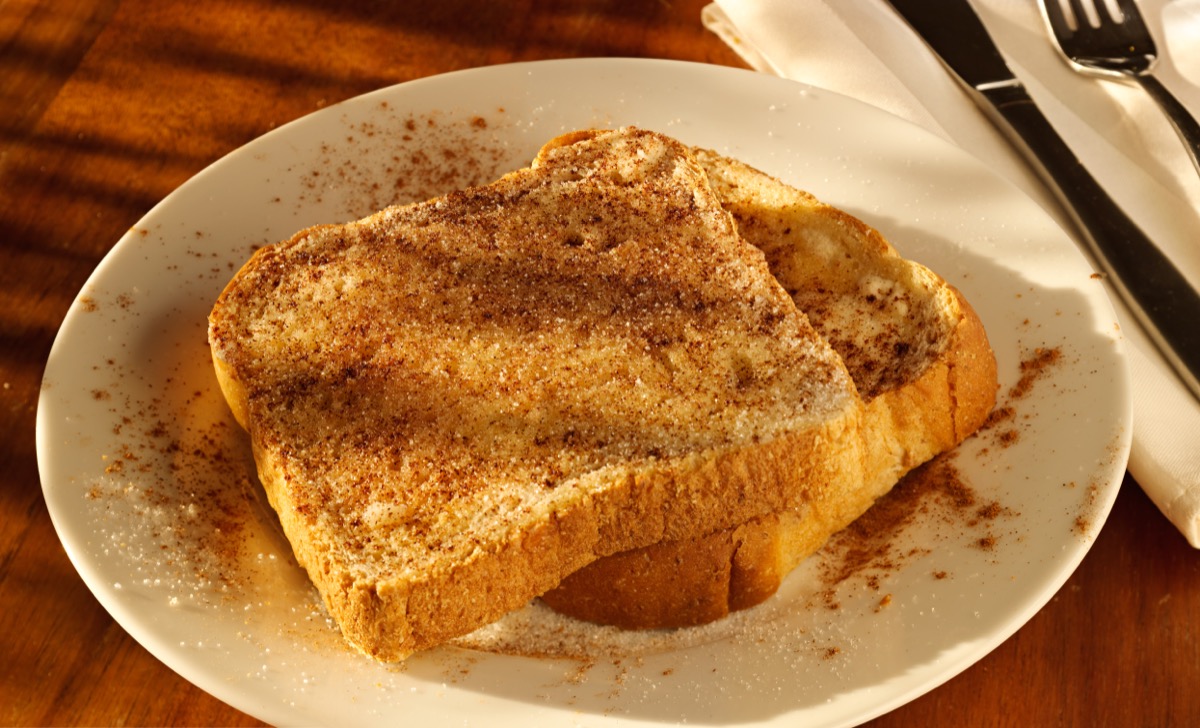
1159, 296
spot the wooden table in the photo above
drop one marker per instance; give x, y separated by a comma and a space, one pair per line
107, 105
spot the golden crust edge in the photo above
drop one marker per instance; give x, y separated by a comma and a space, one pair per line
621, 590
391, 620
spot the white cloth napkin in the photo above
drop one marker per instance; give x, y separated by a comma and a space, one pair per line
863, 50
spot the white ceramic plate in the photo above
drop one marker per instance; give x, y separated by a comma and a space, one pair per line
150, 484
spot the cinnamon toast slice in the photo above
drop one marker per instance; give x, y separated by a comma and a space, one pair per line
918, 355
454, 404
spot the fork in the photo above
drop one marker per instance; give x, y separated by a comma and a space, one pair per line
1115, 45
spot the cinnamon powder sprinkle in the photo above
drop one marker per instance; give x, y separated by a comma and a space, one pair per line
1032, 369
422, 156
866, 550
1003, 424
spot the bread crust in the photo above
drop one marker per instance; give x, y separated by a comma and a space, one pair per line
455, 404
919, 403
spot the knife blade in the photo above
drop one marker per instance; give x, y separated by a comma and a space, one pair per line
1155, 291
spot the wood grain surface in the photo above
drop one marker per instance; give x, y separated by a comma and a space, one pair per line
107, 106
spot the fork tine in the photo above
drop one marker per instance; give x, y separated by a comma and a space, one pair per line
1133, 16
1126, 11
1064, 24
1056, 16
1129, 10
1140, 39
1081, 14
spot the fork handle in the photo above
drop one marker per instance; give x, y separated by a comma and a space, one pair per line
1183, 121
1164, 302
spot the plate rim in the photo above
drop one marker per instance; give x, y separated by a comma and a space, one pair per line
145, 635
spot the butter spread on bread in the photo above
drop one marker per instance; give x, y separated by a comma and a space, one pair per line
918, 355
455, 404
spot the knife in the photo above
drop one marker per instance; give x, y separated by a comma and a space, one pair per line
1158, 295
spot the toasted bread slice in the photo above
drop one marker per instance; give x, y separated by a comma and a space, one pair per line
454, 404
918, 355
